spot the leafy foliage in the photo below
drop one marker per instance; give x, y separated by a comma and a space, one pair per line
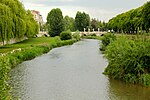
69, 23
129, 60
65, 35
76, 35
133, 21
55, 22
106, 40
15, 21
95, 24
82, 20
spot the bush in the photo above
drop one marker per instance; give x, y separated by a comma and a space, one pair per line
4, 87
76, 35
129, 60
65, 35
106, 40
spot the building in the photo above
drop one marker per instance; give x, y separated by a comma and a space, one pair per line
38, 17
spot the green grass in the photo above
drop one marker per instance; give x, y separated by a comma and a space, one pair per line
27, 43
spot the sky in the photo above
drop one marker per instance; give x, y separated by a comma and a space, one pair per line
99, 9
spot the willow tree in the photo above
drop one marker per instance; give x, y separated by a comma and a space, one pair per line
5, 23
32, 27
15, 21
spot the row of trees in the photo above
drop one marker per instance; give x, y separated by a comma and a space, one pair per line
133, 21
56, 23
15, 21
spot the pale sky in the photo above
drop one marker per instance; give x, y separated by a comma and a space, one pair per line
101, 9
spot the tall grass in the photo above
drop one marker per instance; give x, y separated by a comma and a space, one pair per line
129, 60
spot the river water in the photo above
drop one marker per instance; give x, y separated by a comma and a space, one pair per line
71, 73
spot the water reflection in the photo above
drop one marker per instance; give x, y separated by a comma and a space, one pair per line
119, 90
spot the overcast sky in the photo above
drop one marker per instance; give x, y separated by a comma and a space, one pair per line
101, 9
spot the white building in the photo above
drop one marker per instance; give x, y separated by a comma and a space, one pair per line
38, 17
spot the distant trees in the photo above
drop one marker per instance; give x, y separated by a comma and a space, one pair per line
132, 21
55, 22
15, 21
95, 24
69, 23
146, 16
82, 20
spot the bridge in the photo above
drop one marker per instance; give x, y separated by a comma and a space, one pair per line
98, 33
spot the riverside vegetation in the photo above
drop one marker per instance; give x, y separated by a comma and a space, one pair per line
128, 57
26, 50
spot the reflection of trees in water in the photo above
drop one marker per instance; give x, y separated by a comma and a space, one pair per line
118, 90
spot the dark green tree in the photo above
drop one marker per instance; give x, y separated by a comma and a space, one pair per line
55, 22
94, 23
82, 20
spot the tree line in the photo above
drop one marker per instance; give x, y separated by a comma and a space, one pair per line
133, 21
15, 21
56, 23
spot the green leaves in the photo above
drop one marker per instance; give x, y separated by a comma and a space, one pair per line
55, 22
15, 22
82, 20
129, 59
66, 35
132, 21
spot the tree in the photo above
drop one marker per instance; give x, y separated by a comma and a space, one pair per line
132, 21
55, 22
15, 21
94, 23
146, 16
69, 23
82, 20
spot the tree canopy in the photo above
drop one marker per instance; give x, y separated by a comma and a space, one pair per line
15, 21
55, 22
69, 23
82, 20
132, 21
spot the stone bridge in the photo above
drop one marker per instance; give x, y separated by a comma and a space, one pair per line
90, 33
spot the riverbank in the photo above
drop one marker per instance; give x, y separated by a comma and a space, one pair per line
12, 55
128, 57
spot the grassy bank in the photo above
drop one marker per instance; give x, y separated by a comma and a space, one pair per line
14, 54
129, 58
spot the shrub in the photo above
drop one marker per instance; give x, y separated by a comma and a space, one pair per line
129, 60
4, 87
145, 79
106, 40
65, 35
76, 35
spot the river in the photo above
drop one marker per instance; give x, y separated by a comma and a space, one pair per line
71, 73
